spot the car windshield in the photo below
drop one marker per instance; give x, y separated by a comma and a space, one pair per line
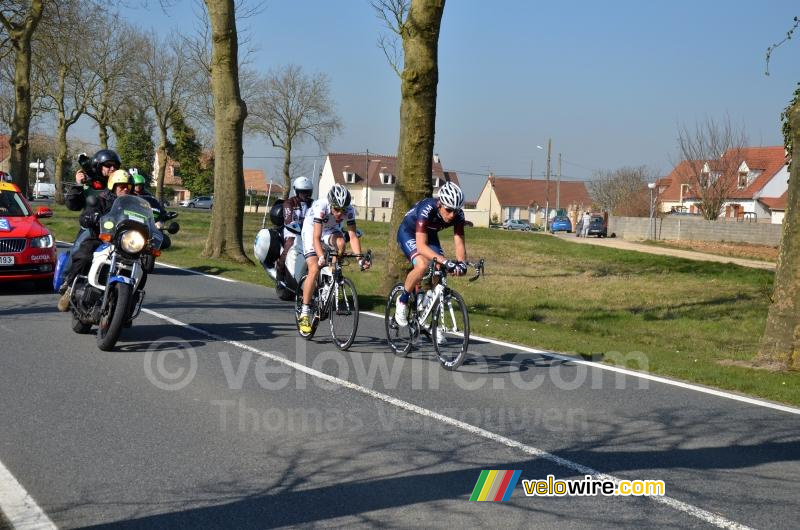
12, 205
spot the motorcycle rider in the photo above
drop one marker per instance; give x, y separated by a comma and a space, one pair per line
119, 184
103, 164
294, 213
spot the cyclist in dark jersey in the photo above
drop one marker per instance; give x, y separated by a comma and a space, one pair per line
418, 237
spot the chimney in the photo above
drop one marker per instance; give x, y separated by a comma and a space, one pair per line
435, 158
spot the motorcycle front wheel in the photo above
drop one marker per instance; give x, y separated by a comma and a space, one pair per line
114, 316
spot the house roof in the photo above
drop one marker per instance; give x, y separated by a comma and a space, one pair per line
776, 203
255, 179
357, 163
525, 192
766, 160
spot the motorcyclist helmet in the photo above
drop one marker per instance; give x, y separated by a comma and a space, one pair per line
451, 196
138, 180
105, 156
339, 197
120, 176
303, 184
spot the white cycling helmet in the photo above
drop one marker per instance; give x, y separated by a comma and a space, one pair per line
338, 196
451, 196
303, 184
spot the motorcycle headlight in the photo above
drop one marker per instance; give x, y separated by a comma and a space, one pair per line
42, 242
132, 241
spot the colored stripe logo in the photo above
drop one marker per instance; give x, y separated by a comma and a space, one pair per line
495, 485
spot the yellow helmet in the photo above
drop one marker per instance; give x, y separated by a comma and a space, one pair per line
120, 176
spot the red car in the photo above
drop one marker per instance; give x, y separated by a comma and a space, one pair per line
27, 249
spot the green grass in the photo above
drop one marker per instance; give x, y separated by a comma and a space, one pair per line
686, 317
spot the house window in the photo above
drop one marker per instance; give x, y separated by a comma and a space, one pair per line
742, 179
437, 182
385, 202
349, 177
388, 178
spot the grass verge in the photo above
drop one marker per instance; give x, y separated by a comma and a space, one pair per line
691, 320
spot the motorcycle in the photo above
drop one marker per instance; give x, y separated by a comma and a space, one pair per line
268, 246
111, 294
161, 217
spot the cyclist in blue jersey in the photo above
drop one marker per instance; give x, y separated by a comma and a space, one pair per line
418, 237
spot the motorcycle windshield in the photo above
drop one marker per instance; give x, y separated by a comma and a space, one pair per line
132, 211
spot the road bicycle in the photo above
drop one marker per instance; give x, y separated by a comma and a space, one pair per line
440, 313
335, 299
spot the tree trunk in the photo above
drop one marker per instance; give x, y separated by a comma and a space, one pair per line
287, 163
227, 218
420, 78
162, 158
102, 134
20, 124
780, 345
61, 157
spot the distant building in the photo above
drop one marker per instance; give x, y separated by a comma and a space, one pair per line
372, 181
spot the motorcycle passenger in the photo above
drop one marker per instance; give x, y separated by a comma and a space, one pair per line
322, 229
418, 237
103, 164
139, 183
294, 211
118, 185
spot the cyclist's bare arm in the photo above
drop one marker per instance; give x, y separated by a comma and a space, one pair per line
461, 247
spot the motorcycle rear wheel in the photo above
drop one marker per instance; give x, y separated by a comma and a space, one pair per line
114, 317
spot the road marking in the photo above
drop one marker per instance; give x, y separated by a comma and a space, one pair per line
632, 373
162, 264
681, 506
18, 506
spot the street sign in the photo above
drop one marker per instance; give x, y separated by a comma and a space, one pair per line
39, 174
37, 165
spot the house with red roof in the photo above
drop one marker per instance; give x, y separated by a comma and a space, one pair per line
372, 179
505, 198
755, 182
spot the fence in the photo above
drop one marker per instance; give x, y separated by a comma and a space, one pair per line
678, 227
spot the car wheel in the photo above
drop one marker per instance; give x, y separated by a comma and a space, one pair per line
191, 205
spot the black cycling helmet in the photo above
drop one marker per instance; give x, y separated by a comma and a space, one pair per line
104, 156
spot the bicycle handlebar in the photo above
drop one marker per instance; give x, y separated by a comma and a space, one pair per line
432, 269
366, 257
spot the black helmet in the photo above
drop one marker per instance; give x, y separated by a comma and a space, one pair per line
276, 213
103, 156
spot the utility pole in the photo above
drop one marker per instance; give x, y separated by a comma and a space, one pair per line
547, 187
531, 169
366, 180
558, 185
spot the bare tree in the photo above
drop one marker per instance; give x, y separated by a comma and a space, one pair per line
230, 111
290, 108
165, 86
20, 20
63, 73
713, 152
115, 59
417, 24
622, 191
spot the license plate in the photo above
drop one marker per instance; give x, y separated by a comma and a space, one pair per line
6, 260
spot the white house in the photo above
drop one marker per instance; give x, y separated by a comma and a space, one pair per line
371, 180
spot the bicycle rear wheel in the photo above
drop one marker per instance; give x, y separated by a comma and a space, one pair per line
344, 313
298, 306
398, 337
450, 330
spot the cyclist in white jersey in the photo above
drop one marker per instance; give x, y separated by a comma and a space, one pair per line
322, 229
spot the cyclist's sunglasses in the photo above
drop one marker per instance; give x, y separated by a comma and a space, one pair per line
451, 210
337, 209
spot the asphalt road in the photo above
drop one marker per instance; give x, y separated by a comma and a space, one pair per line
208, 424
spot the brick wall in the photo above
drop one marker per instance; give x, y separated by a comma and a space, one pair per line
691, 228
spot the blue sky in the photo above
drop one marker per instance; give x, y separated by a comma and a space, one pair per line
609, 82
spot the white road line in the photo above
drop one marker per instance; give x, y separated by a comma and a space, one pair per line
632, 373
681, 506
18, 506
220, 278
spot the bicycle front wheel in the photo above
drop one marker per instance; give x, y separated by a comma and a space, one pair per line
450, 330
399, 337
344, 313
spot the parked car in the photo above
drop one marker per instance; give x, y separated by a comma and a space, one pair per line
201, 202
597, 227
44, 190
27, 248
516, 224
560, 223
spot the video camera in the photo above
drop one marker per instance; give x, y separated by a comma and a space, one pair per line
85, 161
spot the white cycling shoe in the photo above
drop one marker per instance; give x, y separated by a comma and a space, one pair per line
401, 313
